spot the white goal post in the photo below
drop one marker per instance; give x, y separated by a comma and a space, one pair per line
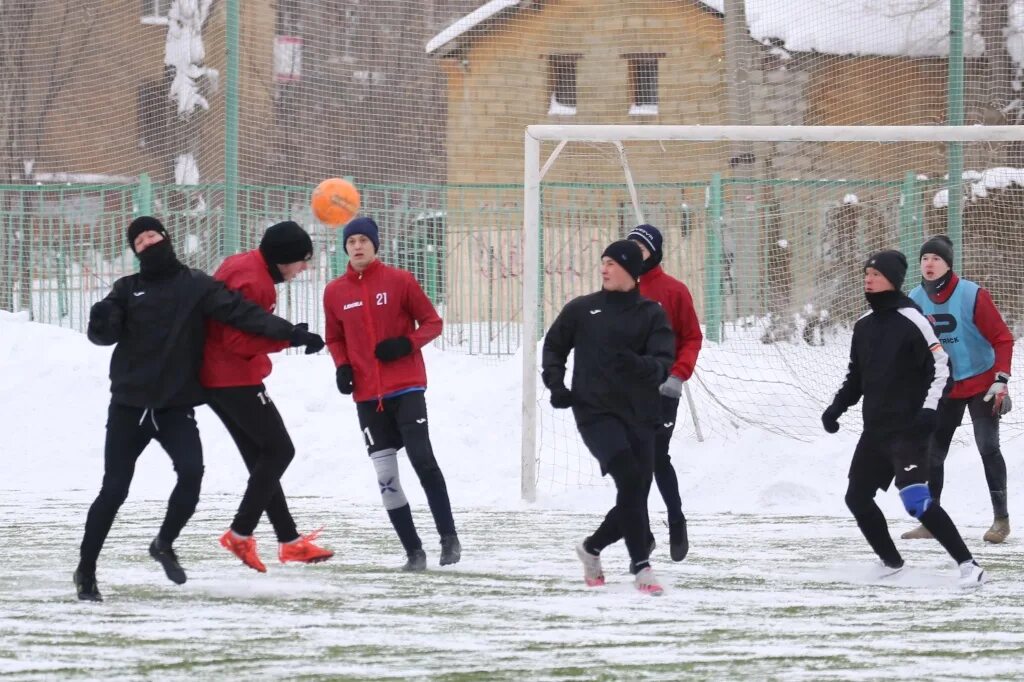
615, 135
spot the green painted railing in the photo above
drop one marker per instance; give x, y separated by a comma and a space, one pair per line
61, 247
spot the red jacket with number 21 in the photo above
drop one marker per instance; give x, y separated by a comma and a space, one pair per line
363, 309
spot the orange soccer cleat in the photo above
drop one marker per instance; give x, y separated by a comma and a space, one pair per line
244, 549
303, 550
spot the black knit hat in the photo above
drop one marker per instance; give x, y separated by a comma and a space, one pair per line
142, 224
650, 237
892, 265
941, 246
627, 254
286, 242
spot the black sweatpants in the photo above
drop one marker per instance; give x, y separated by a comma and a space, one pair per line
879, 460
664, 472
129, 431
254, 423
627, 455
986, 436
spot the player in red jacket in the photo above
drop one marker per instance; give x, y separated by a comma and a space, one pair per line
234, 367
980, 347
377, 320
675, 299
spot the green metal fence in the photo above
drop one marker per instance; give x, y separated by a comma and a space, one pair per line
61, 247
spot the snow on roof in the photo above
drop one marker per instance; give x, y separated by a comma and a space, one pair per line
907, 28
471, 20
991, 178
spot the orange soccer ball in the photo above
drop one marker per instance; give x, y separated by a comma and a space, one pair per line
335, 201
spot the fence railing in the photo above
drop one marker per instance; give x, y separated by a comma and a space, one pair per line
61, 247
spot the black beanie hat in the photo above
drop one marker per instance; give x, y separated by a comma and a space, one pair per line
650, 237
364, 226
627, 254
286, 242
142, 224
892, 265
941, 246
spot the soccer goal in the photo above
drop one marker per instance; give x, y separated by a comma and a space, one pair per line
769, 227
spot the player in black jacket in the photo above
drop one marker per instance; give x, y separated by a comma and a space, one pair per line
624, 348
157, 319
898, 366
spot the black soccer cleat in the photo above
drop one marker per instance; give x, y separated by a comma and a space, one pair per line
88, 589
166, 557
678, 541
451, 550
417, 561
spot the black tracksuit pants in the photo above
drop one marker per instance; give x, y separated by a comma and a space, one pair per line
627, 455
254, 423
129, 431
664, 472
986, 436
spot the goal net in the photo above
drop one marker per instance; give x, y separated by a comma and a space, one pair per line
769, 227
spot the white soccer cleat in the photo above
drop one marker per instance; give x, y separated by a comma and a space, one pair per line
593, 574
648, 583
971, 574
886, 571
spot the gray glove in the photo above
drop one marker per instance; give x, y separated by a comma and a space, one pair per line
672, 388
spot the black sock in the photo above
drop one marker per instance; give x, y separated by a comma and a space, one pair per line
999, 504
872, 524
401, 519
938, 523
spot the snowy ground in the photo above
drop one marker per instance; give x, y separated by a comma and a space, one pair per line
758, 597
778, 583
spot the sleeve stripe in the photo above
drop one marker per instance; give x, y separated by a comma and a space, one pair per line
941, 360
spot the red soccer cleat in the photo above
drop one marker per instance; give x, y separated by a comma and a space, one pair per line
303, 550
244, 549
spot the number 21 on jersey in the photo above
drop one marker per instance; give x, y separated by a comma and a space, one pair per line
382, 298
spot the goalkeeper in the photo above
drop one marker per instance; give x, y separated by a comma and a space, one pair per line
677, 303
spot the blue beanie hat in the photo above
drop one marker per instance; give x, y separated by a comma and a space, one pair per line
650, 237
365, 227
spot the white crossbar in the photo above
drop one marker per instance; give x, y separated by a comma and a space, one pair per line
622, 133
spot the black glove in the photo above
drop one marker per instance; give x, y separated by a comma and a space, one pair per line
625, 362
561, 398
393, 348
830, 419
343, 376
301, 336
925, 421
105, 320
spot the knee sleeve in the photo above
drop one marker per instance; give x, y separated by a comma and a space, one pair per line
916, 499
385, 462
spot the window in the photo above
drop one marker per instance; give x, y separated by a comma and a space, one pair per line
643, 84
562, 84
155, 11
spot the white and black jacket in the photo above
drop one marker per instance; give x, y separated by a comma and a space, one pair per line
896, 363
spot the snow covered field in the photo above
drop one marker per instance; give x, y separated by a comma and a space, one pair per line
778, 584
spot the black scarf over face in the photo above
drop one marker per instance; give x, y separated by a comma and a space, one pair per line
884, 300
158, 261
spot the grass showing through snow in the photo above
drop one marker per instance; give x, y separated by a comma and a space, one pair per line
759, 597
